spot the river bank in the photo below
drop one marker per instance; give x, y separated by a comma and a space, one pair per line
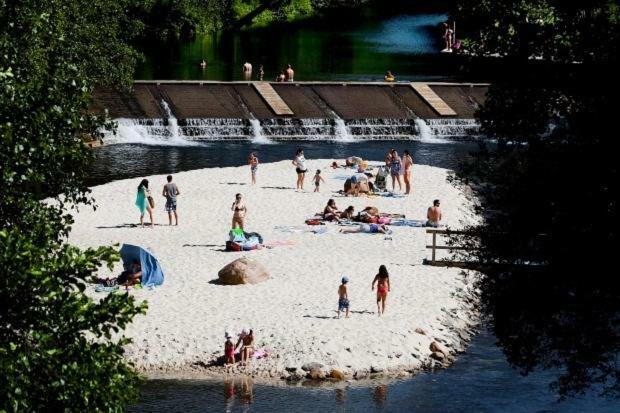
293, 312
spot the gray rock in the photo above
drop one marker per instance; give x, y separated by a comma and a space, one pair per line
376, 369
243, 271
438, 356
311, 366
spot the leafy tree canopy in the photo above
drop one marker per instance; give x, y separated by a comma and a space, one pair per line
59, 349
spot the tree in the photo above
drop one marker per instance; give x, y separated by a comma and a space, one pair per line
549, 189
59, 349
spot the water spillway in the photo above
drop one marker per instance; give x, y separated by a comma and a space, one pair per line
176, 112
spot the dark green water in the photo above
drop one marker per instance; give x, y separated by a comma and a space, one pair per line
407, 45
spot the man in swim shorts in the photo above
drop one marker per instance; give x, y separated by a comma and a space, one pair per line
343, 298
171, 191
433, 215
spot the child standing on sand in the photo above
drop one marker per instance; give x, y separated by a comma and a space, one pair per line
229, 349
253, 161
317, 180
343, 297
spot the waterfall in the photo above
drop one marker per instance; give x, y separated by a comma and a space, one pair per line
257, 134
173, 124
341, 132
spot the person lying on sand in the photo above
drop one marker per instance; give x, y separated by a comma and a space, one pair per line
343, 298
353, 160
331, 213
433, 215
367, 229
382, 279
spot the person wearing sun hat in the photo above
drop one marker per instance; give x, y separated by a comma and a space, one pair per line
343, 297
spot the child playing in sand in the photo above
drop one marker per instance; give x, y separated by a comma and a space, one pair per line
229, 349
343, 297
317, 180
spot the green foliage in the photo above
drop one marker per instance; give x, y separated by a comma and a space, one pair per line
551, 29
59, 350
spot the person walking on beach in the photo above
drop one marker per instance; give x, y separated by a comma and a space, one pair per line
170, 192
317, 180
433, 215
407, 166
289, 73
229, 349
144, 200
382, 279
239, 211
343, 297
253, 161
395, 171
300, 168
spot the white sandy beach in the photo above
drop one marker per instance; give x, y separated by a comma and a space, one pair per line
292, 314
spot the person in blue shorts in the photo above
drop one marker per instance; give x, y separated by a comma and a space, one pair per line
170, 192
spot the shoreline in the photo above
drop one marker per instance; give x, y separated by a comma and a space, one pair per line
291, 313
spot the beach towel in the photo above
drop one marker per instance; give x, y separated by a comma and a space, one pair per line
390, 195
408, 223
259, 353
279, 243
100, 288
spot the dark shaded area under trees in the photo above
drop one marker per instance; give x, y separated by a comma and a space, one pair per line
549, 188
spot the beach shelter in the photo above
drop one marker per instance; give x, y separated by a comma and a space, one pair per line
152, 273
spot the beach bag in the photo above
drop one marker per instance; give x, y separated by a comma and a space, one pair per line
237, 235
233, 246
151, 201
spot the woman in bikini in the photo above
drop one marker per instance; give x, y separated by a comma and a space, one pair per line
331, 213
239, 211
382, 279
408, 166
395, 171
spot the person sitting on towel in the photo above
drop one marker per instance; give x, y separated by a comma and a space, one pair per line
132, 275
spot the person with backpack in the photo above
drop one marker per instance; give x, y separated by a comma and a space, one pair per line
170, 192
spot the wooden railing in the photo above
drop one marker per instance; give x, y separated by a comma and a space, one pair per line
434, 247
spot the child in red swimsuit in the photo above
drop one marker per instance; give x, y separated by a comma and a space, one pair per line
382, 279
229, 349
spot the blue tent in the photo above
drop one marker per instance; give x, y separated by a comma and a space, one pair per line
152, 273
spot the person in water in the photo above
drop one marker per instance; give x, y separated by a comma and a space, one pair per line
229, 349
433, 215
289, 73
253, 161
343, 297
261, 73
170, 192
389, 77
382, 279
395, 171
367, 229
317, 180
300, 168
407, 166
239, 211
246, 344
331, 213
142, 201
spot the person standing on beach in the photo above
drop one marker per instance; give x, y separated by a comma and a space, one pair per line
382, 279
253, 161
433, 215
289, 73
143, 201
317, 180
229, 349
170, 192
407, 166
395, 171
239, 211
343, 298
300, 168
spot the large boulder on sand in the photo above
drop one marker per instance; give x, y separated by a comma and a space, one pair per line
243, 271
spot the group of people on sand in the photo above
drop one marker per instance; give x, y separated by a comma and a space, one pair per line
400, 167
245, 344
381, 280
146, 203
285, 75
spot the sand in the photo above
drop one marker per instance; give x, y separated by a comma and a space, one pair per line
293, 313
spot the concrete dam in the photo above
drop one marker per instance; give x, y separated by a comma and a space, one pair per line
262, 112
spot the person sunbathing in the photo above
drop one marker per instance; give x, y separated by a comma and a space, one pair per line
367, 229
132, 276
348, 213
331, 213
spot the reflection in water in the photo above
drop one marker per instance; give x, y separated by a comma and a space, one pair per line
379, 395
340, 396
239, 389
